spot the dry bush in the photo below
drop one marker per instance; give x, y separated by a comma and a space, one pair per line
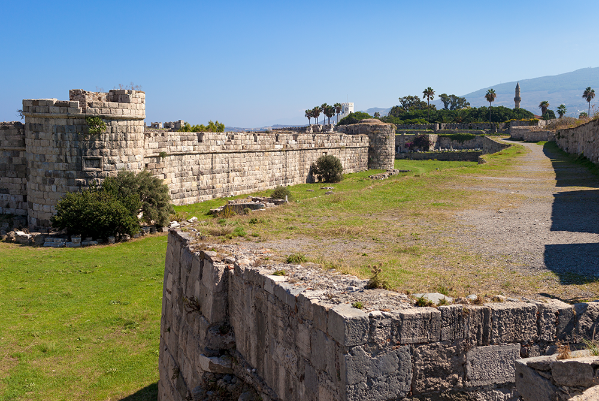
563, 351
562, 123
221, 231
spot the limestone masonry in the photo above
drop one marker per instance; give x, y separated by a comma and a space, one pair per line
226, 315
53, 153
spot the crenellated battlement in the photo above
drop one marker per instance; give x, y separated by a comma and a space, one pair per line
115, 104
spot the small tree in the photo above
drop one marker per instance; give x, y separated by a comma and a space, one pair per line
327, 168
421, 142
152, 193
544, 105
95, 213
281, 192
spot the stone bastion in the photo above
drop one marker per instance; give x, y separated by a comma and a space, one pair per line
229, 317
53, 153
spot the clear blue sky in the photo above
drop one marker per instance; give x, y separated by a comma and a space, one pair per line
256, 63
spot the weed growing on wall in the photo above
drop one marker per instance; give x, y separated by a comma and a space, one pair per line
95, 125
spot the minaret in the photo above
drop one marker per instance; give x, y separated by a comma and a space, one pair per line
517, 98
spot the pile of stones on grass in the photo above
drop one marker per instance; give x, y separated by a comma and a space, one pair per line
387, 174
62, 240
251, 203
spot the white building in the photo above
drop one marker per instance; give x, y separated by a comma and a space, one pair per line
346, 108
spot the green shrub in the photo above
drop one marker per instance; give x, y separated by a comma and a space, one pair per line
296, 258
353, 118
153, 194
95, 125
281, 192
327, 168
96, 213
421, 142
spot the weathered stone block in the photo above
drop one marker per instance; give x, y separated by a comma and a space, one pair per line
378, 375
513, 322
438, 366
492, 364
419, 325
348, 326
577, 372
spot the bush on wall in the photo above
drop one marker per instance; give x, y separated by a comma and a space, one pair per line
327, 168
112, 209
95, 213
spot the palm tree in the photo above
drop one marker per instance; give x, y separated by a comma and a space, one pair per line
323, 108
429, 94
589, 94
316, 113
561, 110
338, 109
308, 114
544, 105
329, 111
490, 96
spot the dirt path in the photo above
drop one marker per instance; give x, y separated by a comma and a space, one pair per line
554, 226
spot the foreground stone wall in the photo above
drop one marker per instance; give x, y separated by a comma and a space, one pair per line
582, 140
13, 169
201, 166
547, 378
226, 314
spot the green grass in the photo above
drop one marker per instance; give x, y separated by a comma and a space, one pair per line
80, 324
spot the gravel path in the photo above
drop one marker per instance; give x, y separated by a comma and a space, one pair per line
554, 226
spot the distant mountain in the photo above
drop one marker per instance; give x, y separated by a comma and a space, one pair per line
556, 89
381, 110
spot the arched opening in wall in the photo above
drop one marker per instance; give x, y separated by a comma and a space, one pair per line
295, 136
340, 137
277, 138
200, 137
255, 138
230, 137
313, 137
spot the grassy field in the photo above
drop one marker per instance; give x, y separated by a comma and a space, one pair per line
83, 324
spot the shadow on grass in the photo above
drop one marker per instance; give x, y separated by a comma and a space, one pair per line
149, 393
577, 212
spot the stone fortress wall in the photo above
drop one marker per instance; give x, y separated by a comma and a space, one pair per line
582, 140
201, 166
13, 169
226, 313
53, 153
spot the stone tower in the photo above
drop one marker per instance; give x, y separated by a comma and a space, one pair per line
517, 99
62, 157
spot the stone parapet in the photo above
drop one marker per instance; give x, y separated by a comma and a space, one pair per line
523, 133
202, 166
225, 312
582, 140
